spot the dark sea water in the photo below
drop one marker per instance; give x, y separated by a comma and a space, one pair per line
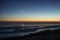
13, 29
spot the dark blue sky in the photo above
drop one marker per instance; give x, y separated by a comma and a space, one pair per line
32, 10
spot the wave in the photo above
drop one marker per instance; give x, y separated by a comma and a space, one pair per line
18, 31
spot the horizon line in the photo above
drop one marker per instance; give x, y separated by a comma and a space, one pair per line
29, 21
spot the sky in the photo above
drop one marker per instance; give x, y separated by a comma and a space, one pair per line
29, 10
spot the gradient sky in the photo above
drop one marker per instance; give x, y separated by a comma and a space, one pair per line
30, 10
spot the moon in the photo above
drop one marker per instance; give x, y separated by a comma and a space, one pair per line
22, 12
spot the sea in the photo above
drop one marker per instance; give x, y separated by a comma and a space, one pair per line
12, 29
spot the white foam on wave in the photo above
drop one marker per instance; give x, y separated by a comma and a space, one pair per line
39, 30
